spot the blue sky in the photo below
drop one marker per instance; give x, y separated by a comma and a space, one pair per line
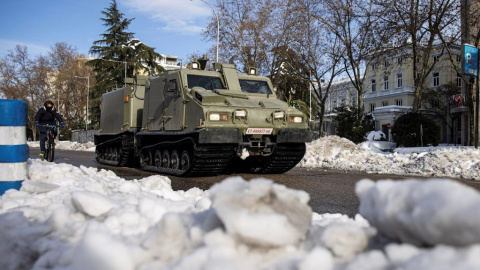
172, 27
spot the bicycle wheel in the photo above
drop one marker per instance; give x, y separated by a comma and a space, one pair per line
52, 149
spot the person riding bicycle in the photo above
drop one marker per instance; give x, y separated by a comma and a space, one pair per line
46, 116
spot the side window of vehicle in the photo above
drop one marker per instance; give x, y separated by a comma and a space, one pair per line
172, 86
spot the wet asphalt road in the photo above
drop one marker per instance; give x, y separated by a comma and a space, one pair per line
331, 191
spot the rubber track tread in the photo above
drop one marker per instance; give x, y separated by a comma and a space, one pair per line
206, 160
124, 146
284, 158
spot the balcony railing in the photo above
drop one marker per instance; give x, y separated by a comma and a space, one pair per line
389, 92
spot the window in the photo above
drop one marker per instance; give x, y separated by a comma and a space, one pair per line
436, 58
385, 82
372, 107
436, 79
384, 103
374, 66
398, 102
172, 86
459, 80
459, 59
399, 80
255, 87
435, 103
207, 82
385, 63
399, 60
374, 85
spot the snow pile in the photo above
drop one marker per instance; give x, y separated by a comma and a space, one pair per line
81, 218
339, 153
376, 136
67, 217
422, 212
249, 211
68, 145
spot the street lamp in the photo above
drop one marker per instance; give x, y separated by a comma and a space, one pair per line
88, 94
125, 62
218, 25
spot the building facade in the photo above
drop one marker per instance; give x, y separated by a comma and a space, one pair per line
389, 89
342, 93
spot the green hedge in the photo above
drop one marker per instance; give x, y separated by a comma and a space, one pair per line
406, 130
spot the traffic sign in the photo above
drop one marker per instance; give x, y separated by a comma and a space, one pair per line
469, 60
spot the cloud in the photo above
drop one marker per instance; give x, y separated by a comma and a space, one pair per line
33, 49
181, 16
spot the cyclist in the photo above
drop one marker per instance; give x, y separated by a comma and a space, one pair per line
46, 116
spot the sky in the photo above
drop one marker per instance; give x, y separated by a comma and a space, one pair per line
172, 27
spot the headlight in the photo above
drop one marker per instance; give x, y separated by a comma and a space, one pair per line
295, 119
240, 113
218, 117
278, 115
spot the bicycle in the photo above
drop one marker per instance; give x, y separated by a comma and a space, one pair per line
50, 142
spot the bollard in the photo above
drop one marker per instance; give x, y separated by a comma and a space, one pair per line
14, 150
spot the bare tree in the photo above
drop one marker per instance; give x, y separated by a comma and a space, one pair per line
419, 25
38, 79
321, 52
24, 78
353, 24
69, 91
244, 32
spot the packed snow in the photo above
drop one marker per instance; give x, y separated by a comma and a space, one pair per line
338, 153
67, 145
67, 217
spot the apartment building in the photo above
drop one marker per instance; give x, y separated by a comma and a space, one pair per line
342, 93
389, 85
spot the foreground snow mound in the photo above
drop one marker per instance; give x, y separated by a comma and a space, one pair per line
408, 257
65, 217
262, 213
422, 212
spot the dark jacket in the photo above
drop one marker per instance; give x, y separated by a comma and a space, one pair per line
45, 117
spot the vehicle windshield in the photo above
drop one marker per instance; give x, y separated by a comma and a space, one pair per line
255, 87
207, 82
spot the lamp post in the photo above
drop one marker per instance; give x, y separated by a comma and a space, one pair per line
116, 61
88, 94
218, 26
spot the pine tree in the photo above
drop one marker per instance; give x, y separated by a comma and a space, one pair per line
119, 56
109, 74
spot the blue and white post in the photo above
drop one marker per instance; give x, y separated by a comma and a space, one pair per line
14, 150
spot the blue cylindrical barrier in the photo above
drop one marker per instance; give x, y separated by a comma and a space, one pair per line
13, 144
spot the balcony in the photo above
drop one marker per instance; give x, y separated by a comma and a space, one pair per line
390, 92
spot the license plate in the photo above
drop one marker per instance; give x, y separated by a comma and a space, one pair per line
261, 131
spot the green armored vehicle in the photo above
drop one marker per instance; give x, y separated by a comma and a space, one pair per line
192, 122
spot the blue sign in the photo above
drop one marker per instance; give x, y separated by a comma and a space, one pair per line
470, 60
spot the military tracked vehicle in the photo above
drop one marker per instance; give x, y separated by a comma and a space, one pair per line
192, 122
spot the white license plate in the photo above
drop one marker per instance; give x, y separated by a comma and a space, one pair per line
262, 131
